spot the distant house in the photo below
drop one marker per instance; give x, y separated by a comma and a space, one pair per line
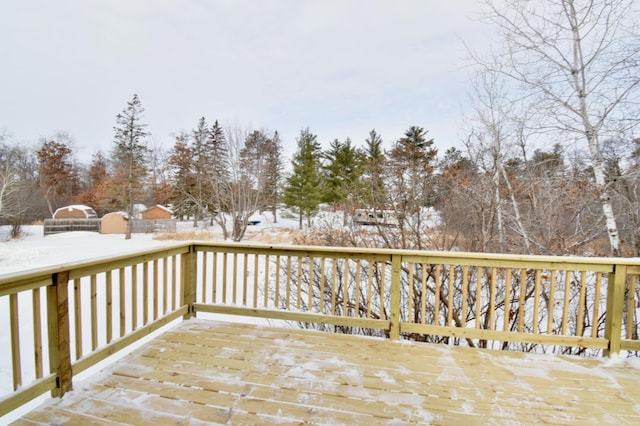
157, 212
114, 223
78, 211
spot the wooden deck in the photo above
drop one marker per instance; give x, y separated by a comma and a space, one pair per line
204, 372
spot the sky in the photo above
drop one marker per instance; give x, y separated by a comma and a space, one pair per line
340, 68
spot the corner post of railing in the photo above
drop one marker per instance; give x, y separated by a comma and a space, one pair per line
59, 341
396, 265
615, 308
189, 277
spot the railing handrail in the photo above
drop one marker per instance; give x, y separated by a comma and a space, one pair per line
13, 282
41, 272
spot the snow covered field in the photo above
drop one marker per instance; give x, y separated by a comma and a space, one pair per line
34, 250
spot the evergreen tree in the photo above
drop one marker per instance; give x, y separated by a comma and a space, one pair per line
129, 155
202, 159
218, 174
411, 174
303, 191
374, 169
181, 176
412, 165
273, 179
342, 172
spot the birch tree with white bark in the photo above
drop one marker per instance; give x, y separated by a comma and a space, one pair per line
576, 63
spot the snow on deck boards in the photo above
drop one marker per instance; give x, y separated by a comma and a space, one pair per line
205, 372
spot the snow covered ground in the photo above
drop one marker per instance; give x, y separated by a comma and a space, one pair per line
34, 250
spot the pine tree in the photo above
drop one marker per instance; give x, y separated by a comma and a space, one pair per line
180, 164
273, 175
411, 167
129, 154
303, 192
218, 175
374, 188
342, 173
201, 158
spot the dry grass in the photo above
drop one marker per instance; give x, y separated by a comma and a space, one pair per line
267, 236
197, 234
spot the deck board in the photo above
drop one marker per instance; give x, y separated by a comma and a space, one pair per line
205, 372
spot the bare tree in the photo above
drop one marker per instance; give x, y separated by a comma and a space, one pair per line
577, 64
18, 197
240, 183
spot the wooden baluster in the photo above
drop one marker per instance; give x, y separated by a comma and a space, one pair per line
523, 291
145, 292
631, 306
565, 305
423, 297
334, 279
581, 303
234, 282
205, 277
214, 276
552, 302
245, 270
312, 264
165, 287
224, 278
267, 260
452, 278
77, 313
536, 302
123, 301
410, 307
322, 272
465, 295
479, 295
370, 287
37, 331
94, 312
345, 287
596, 305
299, 295
255, 280
507, 300
288, 285
109, 303
16, 364
357, 289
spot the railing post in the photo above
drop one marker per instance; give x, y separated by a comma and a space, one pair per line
58, 324
396, 264
615, 308
189, 277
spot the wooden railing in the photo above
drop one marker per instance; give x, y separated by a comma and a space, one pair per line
85, 312
65, 319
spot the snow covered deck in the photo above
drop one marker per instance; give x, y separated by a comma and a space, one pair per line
205, 372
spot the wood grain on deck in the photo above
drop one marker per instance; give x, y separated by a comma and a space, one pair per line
204, 372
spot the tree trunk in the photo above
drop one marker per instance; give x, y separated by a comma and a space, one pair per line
603, 192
